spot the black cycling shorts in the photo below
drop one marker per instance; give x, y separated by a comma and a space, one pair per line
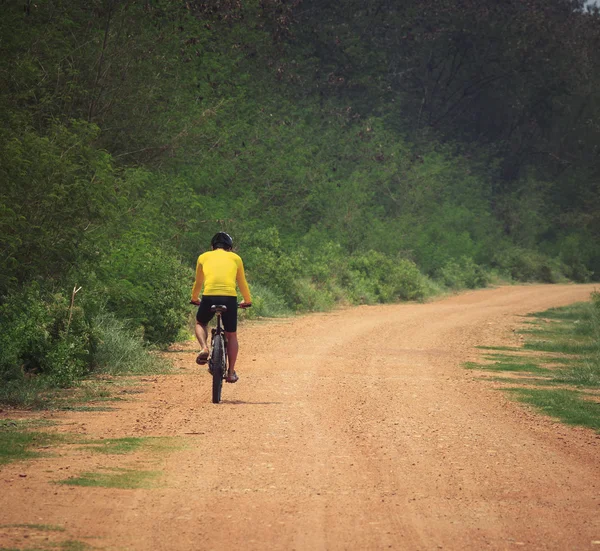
204, 315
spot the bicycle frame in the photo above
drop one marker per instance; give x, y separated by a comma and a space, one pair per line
218, 360
219, 330
218, 355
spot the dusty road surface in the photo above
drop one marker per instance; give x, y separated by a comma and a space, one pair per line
357, 429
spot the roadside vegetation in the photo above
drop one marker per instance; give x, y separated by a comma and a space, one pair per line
20, 440
357, 152
557, 370
43, 536
26, 440
128, 479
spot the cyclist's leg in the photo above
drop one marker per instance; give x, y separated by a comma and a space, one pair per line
202, 335
230, 326
203, 316
232, 350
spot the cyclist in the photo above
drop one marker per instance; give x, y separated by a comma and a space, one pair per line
219, 270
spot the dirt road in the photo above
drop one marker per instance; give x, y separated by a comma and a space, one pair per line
357, 429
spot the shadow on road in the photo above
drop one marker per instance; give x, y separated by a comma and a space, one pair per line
242, 402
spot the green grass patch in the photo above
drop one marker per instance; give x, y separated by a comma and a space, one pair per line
115, 446
58, 546
500, 348
39, 527
567, 405
529, 381
91, 394
569, 360
562, 346
511, 358
18, 442
115, 478
70, 545
511, 364
87, 408
118, 446
574, 312
586, 375
574, 333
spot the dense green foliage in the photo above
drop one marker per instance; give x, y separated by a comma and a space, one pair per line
358, 153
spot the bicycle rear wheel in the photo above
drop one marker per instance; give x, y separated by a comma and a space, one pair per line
217, 366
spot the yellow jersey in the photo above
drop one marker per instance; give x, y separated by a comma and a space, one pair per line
219, 271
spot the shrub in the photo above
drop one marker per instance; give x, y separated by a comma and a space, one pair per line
307, 296
576, 253
266, 303
147, 285
268, 264
527, 265
40, 334
386, 279
120, 350
463, 273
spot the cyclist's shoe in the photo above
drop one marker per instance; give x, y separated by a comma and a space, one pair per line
233, 378
202, 357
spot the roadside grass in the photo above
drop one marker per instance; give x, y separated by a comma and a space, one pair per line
18, 440
506, 348
120, 446
566, 405
121, 478
38, 393
94, 393
573, 312
508, 366
562, 346
68, 545
119, 353
39, 527
561, 349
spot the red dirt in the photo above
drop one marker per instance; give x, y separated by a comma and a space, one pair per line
356, 429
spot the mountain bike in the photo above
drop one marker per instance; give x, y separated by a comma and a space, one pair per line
217, 359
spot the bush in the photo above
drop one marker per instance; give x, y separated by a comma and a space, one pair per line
147, 285
266, 303
40, 334
527, 265
268, 264
374, 275
463, 273
120, 350
576, 253
47, 343
307, 296
319, 274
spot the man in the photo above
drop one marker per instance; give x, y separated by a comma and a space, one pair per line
219, 270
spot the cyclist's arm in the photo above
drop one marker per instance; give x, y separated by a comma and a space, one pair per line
242, 283
198, 283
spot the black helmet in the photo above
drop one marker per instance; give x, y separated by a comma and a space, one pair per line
221, 240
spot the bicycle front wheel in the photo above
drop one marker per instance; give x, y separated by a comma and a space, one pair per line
217, 366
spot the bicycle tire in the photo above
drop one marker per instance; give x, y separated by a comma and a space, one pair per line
217, 366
